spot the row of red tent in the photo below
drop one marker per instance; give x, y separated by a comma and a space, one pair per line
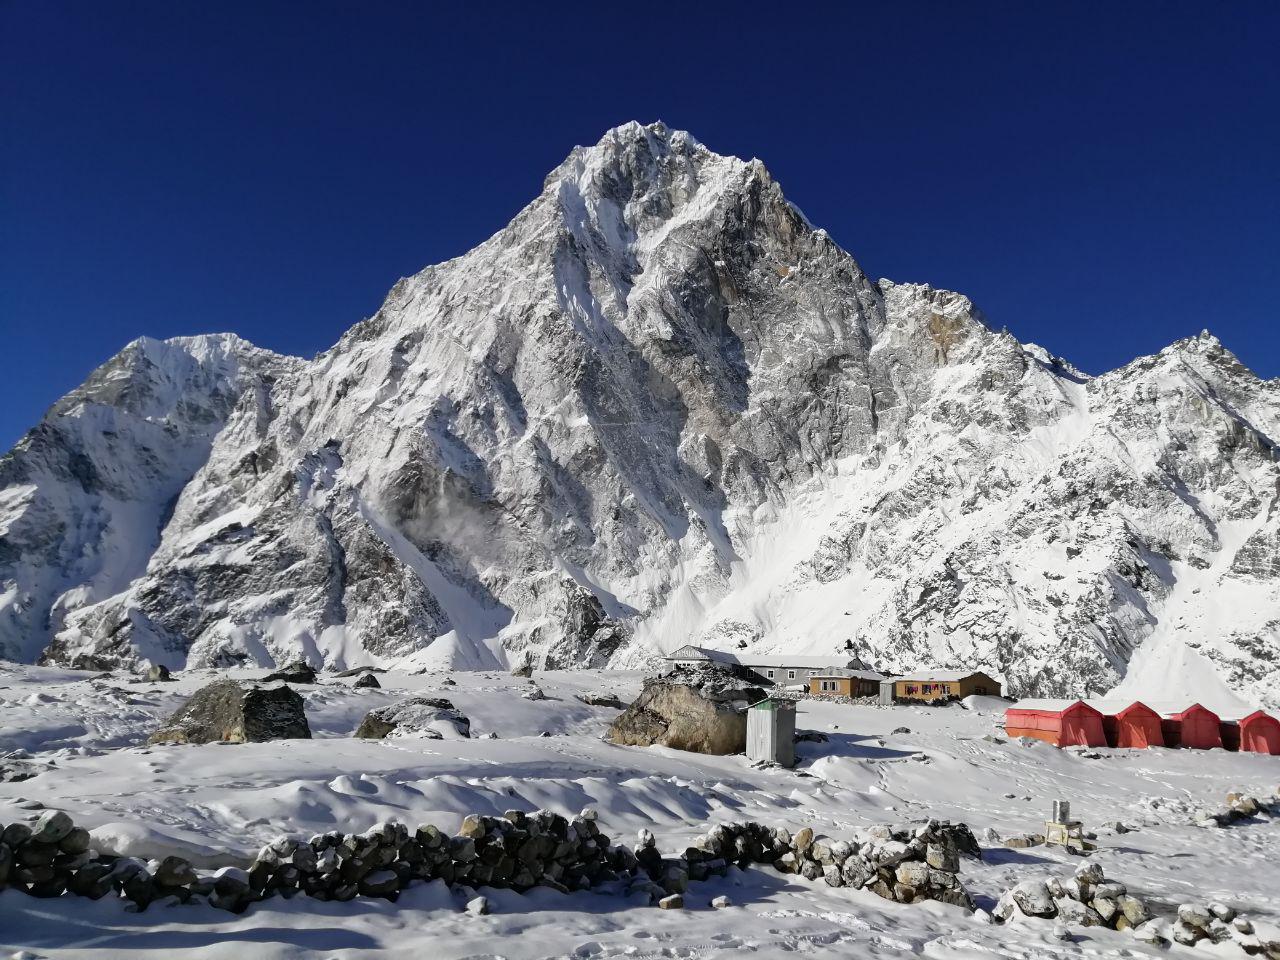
1137, 725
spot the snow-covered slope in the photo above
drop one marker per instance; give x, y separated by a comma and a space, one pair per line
661, 407
85, 495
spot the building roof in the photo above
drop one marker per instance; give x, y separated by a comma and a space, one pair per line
945, 676
844, 673
690, 652
807, 663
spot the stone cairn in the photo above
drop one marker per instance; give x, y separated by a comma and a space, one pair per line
1088, 899
517, 850
1241, 806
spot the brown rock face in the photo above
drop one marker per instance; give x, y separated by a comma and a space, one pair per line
227, 712
699, 709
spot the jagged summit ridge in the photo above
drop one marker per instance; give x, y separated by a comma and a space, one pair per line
658, 407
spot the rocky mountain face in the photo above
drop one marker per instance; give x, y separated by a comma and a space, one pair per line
659, 407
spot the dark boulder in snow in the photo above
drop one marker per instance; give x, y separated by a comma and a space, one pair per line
358, 670
610, 700
430, 717
367, 681
701, 708
297, 672
228, 712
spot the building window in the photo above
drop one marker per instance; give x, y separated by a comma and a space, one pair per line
791, 674
770, 674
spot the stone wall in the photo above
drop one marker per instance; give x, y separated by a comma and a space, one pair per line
517, 850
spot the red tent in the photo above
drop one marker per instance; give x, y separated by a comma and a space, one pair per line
1137, 725
1077, 724
1260, 733
1196, 727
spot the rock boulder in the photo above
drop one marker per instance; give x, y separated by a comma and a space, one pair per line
431, 717
226, 711
701, 708
297, 672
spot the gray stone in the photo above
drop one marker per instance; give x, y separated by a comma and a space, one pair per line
912, 873
1022, 842
422, 716
76, 841
299, 671
175, 872
673, 902
52, 827
1090, 872
226, 711
1032, 898
1148, 932
380, 883
1110, 889
856, 872
1134, 910
1107, 909
943, 856
609, 700
1222, 912
1073, 911
1195, 914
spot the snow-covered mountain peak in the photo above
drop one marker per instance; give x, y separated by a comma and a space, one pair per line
658, 407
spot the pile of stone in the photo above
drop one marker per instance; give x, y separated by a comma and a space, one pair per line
903, 864
1086, 899
40, 859
1240, 806
1218, 923
517, 850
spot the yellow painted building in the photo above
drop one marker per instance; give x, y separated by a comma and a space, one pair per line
928, 685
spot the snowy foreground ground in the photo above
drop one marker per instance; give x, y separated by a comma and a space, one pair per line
218, 804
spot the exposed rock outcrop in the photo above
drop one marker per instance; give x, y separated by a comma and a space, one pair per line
299, 671
227, 711
431, 717
697, 708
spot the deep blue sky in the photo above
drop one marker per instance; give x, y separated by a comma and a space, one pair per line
1100, 178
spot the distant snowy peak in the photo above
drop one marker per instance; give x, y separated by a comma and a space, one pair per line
85, 492
658, 407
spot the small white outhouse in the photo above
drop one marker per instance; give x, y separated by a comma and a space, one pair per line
771, 732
